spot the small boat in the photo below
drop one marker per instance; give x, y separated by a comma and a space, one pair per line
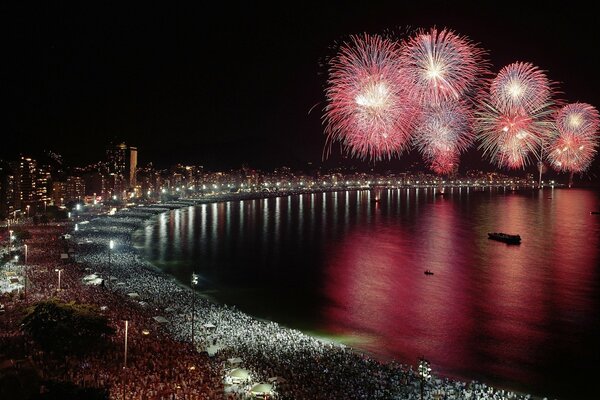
505, 237
428, 272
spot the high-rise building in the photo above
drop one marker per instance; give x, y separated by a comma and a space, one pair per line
6, 190
43, 185
132, 166
75, 188
25, 183
94, 184
117, 159
59, 190
122, 162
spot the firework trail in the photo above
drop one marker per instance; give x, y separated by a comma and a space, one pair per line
444, 131
442, 65
576, 141
369, 109
520, 86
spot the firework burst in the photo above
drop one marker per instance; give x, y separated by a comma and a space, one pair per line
442, 65
511, 138
444, 131
369, 109
443, 162
575, 145
520, 86
578, 119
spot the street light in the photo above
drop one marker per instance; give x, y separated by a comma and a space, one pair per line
125, 357
59, 270
194, 283
10, 238
125, 354
424, 372
111, 246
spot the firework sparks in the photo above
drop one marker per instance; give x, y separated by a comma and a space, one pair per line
443, 162
511, 138
369, 109
442, 65
575, 145
578, 119
520, 86
444, 131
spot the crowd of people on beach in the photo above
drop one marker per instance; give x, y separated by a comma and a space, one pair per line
165, 361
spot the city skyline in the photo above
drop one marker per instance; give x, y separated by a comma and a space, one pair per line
242, 86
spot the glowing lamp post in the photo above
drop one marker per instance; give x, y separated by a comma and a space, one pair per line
194, 283
125, 354
25, 272
424, 372
10, 239
111, 246
59, 270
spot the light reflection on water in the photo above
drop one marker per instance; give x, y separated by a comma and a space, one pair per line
521, 316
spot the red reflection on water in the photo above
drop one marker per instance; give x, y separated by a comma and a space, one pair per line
516, 314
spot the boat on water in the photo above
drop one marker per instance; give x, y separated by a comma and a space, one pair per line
428, 272
505, 237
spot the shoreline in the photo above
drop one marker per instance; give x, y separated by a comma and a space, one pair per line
325, 341
266, 348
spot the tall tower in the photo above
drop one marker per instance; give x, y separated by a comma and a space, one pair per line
25, 182
116, 156
132, 166
122, 165
43, 185
6, 190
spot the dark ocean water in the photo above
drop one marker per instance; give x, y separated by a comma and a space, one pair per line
524, 317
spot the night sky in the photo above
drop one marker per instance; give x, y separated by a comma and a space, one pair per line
222, 84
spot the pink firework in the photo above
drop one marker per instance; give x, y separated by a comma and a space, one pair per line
578, 119
511, 138
444, 131
520, 86
443, 162
442, 65
369, 109
575, 145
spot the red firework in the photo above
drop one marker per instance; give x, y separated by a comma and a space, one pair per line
511, 138
443, 65
575, 145
369, 109
443, 162
444, 131
520, 86
578, 119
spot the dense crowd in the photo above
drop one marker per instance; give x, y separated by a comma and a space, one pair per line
163, 362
